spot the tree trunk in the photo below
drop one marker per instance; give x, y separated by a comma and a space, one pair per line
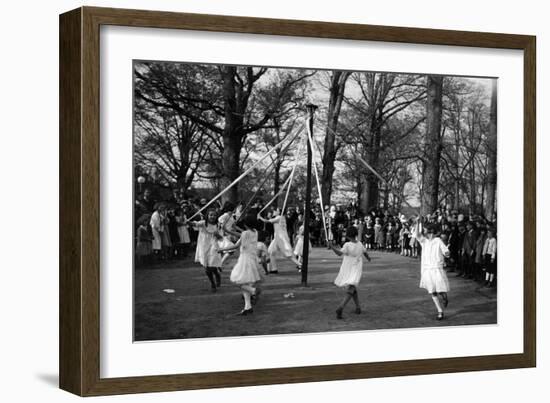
359, 192
386, 198
432, 145
370, 197
492, 153
457, 194
473, 198
337, 88
234, 107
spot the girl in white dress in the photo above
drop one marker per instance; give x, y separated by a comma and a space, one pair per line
245, 273
157, 227
432, 275
207, 247
299, 248
183, 233
351, 269
227, 219
280, 243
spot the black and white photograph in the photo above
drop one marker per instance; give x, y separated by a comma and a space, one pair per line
276, 200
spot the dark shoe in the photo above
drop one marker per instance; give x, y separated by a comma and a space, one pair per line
339, 313
274, 272
213, 289
254, 298
440, 316
358, 311
245, 312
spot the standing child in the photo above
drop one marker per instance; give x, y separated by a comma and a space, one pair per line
432, 275
404, 238
245, 272
359, 223
378, 234
299, 248
143, 245
331, 225
157, 228
183, 233
490, 255
351, 269
369, 235
166, 238
413, 245
390, 232
207, 248
479, 258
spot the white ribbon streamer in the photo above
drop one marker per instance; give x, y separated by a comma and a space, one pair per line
242, 176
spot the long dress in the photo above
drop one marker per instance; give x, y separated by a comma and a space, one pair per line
156, 229
379, 234
351, 269
280, 243
432, 275
166, 240
299, 248
143, 246
183, 230
245, 270
228, 221
207, 246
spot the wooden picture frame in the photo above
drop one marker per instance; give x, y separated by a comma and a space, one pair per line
80, 186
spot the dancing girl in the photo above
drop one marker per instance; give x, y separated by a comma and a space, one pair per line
245, 273
351, 269
280, 243
432, 274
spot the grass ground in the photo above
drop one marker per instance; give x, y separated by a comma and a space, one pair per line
389, 296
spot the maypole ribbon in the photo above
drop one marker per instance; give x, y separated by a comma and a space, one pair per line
289, 186
372, 170
270, 168
287, 181
288, 189
383, 180
310, 141
240, 177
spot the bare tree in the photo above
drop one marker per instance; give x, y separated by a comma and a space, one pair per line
492, 154
336, 96
170, 144
433, 144
382, 97
224, 100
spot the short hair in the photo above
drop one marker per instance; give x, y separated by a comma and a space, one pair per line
212, 210
228, 206
430, 228
351, 232
250, 220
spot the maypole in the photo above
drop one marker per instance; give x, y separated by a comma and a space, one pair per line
310, 140
305, 260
